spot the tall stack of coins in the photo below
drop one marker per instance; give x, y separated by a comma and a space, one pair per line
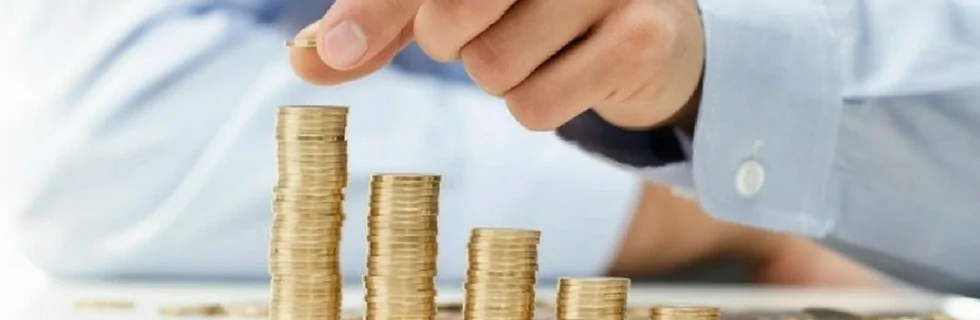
592, 298
503, 267
308, 213
685, 313
401, 264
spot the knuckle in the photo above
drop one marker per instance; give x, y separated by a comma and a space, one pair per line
432, 34
485, 63
463, 13
434, 46
529, 111
646, 32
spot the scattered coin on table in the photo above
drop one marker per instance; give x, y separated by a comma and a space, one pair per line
197, 310
104, 305
247, 310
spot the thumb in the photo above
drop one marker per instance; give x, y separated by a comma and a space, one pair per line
355, 31
309, 66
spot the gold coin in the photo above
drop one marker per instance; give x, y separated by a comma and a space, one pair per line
486, 232
303, 147
311, 134
104, 305
308, 213
192, 310
502, 273
247, 310
598, 283
316, 219
314, 110
684, 312
592, 298
406, 177
319, 133
302, 193
402, 247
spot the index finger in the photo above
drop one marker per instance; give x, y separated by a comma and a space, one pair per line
355, 31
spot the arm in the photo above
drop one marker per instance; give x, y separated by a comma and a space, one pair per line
149, 150
859, 114
670, 236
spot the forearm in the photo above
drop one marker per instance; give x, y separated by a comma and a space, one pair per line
667, 233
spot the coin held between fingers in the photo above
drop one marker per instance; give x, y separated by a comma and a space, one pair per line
301, 43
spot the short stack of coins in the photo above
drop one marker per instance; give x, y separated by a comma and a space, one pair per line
592, 298
502, 273
401, 264
685, 313
308, 213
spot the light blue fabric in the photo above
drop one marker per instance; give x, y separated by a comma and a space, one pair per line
145, 144
864, 115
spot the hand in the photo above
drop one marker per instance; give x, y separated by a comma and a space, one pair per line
670, 234
636, 62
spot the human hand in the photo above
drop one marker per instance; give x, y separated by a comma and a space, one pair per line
635, 62
670, 235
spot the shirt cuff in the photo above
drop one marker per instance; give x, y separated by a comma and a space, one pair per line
767, 125
647, 148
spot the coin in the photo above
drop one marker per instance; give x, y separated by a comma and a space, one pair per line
501, 274
302, 43
830, 314
192, 310
103, 305
402, 227
308, 213
685, 313
592, 298
247, 310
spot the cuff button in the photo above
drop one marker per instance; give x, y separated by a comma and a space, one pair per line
749, 178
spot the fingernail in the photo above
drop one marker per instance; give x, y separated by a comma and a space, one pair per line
344, 45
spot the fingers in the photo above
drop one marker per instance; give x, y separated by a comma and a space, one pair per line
670, 65
582, 75
353, 32
525, 37
616, 67
308, 65
444, 26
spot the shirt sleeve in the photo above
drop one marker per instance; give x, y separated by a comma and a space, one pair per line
849, 120
766, 127
148, 150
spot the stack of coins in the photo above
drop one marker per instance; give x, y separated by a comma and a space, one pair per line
592, 298
401, 264
685, 313
503, 268
308, 213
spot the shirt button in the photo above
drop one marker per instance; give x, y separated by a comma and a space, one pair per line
749, 178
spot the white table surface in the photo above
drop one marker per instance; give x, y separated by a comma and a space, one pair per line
57, 300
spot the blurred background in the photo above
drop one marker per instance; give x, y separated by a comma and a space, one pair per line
18, 276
